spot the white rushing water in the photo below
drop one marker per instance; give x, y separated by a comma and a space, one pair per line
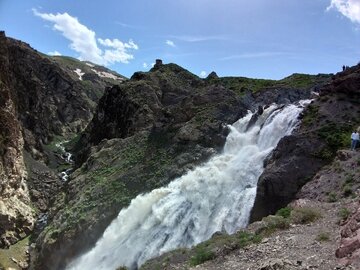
218, 196
68, 158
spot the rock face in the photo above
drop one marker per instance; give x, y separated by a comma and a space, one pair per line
40, 98
16, 216
326, 126
145, 132
50, 98
349, 250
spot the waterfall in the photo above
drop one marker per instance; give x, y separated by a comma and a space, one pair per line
217, 196
68, 158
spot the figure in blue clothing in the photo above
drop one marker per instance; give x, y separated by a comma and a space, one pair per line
354, 140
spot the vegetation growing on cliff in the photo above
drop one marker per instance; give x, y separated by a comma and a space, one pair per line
299, 81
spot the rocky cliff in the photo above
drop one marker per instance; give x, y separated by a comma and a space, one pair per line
316, 184
326, 126
145, 132
16, 216
43, 99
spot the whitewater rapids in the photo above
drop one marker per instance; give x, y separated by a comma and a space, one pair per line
217, 196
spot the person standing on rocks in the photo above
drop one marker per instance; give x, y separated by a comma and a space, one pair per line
354, 140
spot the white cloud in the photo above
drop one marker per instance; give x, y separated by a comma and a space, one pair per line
170, 43
203, 74
348, 8
145, 65
118, 51
83, 40
54, 53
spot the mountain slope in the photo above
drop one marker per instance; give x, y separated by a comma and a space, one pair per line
145, 132
41, 101
320, 227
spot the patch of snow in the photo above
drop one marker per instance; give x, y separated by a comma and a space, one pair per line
90, 65
105, 74
79, 73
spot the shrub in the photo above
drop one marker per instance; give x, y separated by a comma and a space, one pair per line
274, 223
202, 254
349, 179
323, 236
332, 197
284, 212
304, 215
246, 238
347, 191
344, 213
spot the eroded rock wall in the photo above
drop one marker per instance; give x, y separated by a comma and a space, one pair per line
16, 215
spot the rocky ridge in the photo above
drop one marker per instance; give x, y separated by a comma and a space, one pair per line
41, 102
303, 167
325, 127
15, 199
146, 132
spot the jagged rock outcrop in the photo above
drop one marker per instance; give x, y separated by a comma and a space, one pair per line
326, 126
16, 216
145, 132
50, 98
349, 249
41, 98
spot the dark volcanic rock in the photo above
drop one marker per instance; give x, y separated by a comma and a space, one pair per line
49, 102
326, 126
145, 133
40, 99
292, 164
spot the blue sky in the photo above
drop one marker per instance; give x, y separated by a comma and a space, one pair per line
258, 38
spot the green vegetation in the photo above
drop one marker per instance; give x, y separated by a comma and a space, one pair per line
349, 180
344, 213
335, 135
304, 215
112, 181
284, 212
347, 190
205, 251
274, 223
323, 237
17, 251
241, 84
311, 115
223, 243
202, 254
246, 238
332, 197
